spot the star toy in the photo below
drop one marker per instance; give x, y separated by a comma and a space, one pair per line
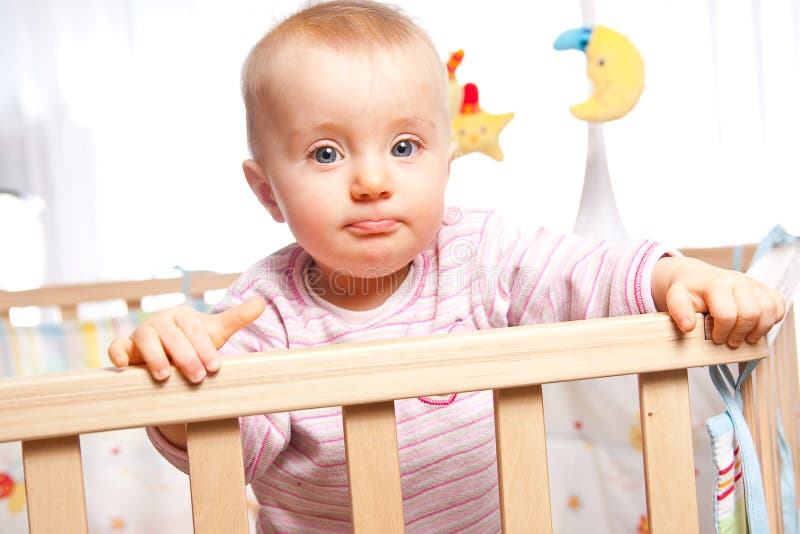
478, 131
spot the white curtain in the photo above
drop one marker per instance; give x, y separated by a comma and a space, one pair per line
44, 149
124, 116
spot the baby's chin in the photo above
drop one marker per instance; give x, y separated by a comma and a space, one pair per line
368, 270
374, 271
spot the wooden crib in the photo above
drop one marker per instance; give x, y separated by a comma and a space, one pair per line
49, 412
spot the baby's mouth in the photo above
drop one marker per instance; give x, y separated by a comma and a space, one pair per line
377, 226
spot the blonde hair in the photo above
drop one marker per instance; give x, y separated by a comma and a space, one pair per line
357, 25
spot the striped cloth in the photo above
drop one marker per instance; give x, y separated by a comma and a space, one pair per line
54, 347
51, 347
729, 506
476, 274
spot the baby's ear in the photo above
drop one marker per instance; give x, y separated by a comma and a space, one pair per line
451, 154
259, 183
452, 149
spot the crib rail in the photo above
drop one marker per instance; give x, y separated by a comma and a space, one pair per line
68, 297
48, 412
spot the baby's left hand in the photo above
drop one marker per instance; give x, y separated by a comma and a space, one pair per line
742, 308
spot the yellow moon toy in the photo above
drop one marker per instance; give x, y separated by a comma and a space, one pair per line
614, 67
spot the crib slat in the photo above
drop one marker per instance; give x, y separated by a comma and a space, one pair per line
766, 442
522, 460
69, 312
784, 352
749, 405
774, 401
783, 373
667, 447
788, 338
373, 468
54, 485
787, 380
216, 477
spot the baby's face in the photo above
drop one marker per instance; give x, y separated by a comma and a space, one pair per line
356, 150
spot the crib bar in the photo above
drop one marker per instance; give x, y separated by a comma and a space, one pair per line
54, 485
788, 406
766, 442
772, 406
216, 477
722, 256
787, 337
373, 467
748, 390
69, 312
783, 363
668, 456
777, 412
71, 295
94, 400
522, 460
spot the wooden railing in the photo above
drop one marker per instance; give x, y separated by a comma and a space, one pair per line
67, 298
48, 413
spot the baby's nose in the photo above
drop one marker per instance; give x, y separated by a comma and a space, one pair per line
371, 185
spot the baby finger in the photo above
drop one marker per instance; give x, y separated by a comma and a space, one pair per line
748, 313
182, 352
120, 352
146, 340
198, 336
722, 307
769, 315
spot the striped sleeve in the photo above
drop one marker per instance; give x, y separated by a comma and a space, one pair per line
545, 276
263, 437
174, 455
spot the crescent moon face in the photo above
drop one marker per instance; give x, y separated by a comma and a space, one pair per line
615, 68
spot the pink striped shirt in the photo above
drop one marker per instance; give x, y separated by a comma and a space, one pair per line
475, 274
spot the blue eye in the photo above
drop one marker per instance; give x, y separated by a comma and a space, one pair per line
326, 155
404, 149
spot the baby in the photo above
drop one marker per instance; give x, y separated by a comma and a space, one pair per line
348, 125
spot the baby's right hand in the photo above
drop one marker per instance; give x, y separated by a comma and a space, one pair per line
187, 337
